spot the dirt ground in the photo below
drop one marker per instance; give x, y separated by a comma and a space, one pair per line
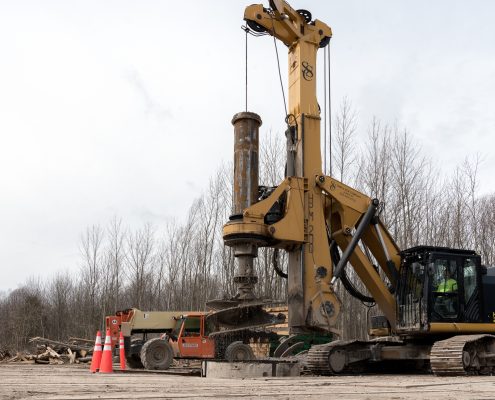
22, 381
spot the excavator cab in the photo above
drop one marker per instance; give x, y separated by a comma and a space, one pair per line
439, 284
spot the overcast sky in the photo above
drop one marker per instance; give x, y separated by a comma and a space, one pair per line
123, 108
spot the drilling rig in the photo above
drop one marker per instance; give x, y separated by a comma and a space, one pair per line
327, 227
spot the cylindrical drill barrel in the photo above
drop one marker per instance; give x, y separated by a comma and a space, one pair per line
246, 161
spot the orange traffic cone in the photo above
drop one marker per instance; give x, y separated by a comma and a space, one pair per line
96, 359
106, 358
122, 352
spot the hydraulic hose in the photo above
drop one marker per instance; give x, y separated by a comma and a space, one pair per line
277, 269
351, 289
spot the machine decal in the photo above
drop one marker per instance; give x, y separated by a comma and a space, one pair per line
307, 71
310, 222
190, 344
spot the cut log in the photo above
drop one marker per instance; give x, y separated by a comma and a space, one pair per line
54, 344
75, 339
72, 356
52, 353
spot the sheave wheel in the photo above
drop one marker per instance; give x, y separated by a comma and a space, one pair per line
238, 351
156, 354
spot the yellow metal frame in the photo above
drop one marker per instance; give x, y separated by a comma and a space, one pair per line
461, 327
313, 201
302, 231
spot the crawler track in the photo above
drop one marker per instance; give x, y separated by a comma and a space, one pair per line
463, 355
457, 356
319, 359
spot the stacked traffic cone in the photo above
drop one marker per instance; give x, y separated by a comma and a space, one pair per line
122, 352
96, 359
107, 356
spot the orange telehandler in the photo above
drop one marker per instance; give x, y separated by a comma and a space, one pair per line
185, 335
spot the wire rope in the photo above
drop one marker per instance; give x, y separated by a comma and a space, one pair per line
329, 111
325, 110
247, 31
278, 66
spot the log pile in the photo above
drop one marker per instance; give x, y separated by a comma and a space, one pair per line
48, 351
4, 353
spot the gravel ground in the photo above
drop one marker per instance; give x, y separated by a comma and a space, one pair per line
28, 381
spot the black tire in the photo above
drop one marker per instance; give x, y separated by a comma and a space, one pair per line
157, 354
133, 360
238, 351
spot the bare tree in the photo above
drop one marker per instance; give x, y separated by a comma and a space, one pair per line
486, 229
160, 278
223, 255
140, 246
344, 150
179, 256
25, 314
59, 297
408, 168
458, 209
115, 261
374, 176
470, 170
92, 258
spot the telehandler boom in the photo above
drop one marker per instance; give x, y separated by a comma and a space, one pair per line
325, 225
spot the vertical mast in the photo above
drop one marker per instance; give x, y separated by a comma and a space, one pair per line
312, 303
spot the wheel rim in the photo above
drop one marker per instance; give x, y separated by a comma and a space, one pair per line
159, 354
241, 355
336, 359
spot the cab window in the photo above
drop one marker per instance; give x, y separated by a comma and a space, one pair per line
178, 324
469, 272
445, 288
445, 276
192, 326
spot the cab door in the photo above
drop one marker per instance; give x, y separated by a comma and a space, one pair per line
192, 341
445, 289
207, 344
472, 293
190, 337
